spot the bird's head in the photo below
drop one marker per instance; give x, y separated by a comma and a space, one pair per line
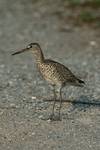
32, 46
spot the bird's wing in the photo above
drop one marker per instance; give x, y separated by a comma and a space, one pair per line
61, 73
63, 70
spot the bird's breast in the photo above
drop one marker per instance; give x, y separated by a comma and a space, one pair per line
50, 73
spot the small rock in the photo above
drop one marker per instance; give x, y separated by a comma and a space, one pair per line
1, 112
10, 83
12, 105
33, 133
93, 43
23, 138
33, 97
49, 120
2, 66
84, 63
40, 117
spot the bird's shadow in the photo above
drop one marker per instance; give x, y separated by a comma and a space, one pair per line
82, 103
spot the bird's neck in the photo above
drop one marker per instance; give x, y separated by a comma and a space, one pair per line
39, 56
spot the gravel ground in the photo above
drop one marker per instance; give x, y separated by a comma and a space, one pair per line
22, 91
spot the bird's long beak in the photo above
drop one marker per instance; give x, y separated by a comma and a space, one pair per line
21, 51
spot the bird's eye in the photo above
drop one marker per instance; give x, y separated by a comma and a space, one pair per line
29, 46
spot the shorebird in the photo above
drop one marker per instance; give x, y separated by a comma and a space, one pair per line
54, 72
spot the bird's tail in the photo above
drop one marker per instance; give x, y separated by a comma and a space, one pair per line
80, 83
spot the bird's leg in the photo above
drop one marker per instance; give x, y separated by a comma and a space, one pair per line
60, 102
55, 96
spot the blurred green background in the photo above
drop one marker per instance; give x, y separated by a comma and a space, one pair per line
83, 12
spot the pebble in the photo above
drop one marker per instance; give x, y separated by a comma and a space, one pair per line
33, 97
10, 83
33, 133
49, 120
12, 105
1, 112
93, 43
40, 117
2, 66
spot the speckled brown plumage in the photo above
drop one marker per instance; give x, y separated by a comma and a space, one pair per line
55, 73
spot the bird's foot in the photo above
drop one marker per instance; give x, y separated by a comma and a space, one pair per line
54, 118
